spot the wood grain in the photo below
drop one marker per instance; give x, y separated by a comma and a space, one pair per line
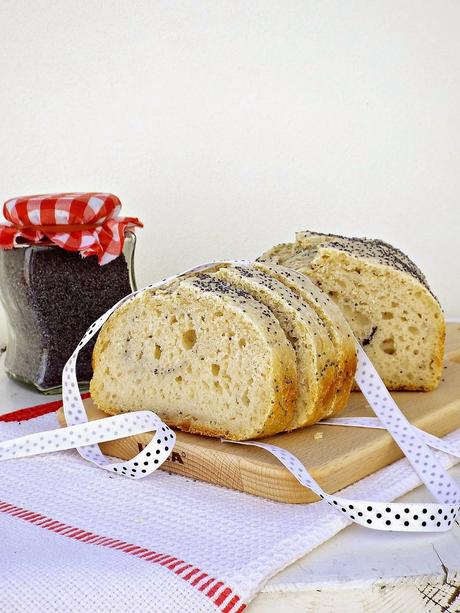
336, 456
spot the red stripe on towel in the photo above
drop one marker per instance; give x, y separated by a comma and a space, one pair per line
168, 562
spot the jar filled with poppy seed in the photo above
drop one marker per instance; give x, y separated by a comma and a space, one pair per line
56, 279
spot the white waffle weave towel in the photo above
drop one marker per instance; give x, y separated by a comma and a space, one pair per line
75, 538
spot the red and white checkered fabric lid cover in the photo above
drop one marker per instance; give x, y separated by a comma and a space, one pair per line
85, 222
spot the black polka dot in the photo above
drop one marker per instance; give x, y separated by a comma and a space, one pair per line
155, 461
388, 510
415, 516
148, 454
406, 523
360, 514
369, 521
424, 510
432, 517
146, 463
379, 515
388, 522
406, 510
143, 470
438, 523
423, 523
350, 506
369, 508
157, 451
115, 469
397, 516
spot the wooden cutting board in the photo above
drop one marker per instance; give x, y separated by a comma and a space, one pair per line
336, 455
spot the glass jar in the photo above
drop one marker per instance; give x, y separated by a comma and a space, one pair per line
51, 296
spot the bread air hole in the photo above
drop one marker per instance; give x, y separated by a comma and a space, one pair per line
361, 319
387, 315
215, 368
351, 314
413, 330
388, 346
242, 342
189, 339
157, 352
103, 346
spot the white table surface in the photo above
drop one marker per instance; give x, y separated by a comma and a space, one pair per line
358, 570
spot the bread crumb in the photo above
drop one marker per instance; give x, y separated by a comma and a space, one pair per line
318, 435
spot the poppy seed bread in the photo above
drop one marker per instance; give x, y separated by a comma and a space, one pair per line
384, 297
337, 327
206, 356
316, 360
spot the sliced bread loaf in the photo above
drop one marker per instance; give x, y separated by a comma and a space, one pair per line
337, 327
316, 361
384, 297
206, 356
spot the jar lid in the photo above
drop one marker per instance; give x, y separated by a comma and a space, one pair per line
87, 222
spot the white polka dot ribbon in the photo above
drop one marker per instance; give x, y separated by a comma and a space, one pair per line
85, 436
413, 517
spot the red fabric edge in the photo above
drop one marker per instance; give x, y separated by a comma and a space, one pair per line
223, 597
35, 411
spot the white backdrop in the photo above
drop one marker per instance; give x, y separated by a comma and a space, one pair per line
227, 125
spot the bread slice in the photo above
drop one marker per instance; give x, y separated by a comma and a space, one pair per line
208, 358
384, 297
336, 325
316, 365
